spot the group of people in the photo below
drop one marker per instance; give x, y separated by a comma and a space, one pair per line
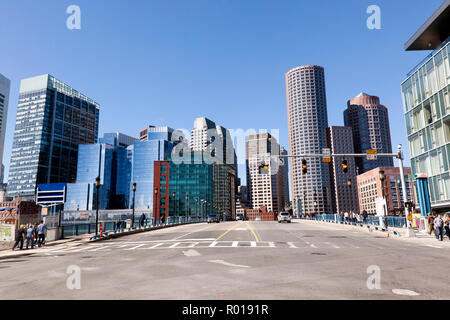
32, 233
438, 224
354, 217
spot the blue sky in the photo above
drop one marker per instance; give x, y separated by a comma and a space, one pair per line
167, 62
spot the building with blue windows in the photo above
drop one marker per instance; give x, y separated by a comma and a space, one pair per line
155, 145
426, 100
111, 161
52, 121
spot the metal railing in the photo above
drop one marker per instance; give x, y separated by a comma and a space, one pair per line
393, 221
111, 226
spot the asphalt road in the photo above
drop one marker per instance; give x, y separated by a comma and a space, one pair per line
234, 260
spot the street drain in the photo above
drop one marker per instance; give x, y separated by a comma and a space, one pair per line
318, 254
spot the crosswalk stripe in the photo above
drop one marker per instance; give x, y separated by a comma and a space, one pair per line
253, 243
174, 245
135, 247
155, 246
98, 249
213, 244
291, 245
235, 244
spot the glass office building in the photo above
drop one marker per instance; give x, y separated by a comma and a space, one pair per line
156, 147
194, 189
52, 120
111, 162
426, 100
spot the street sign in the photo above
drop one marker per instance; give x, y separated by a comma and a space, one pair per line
371, 154
411, 176
326, 155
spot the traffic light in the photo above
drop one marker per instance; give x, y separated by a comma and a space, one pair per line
345, 166
264, 169
305, 167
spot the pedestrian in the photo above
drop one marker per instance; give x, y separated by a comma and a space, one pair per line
346, 216
19, 239
439, 227
118, 225
447, 226
364, 214
42, 229
30, 236
142, 220
341, 216
431, 224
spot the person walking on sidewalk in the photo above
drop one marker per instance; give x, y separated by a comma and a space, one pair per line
364, 214
346, 216
447, 225
439, 227
30, 236
42, 229
431, 224
20, 236
142, 220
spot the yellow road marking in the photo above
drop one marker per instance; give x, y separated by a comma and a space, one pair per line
226, 232
254, 234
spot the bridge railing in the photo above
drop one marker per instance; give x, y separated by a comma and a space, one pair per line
112, 226
393, 221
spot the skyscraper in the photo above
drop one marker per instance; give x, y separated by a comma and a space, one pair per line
52, 120
5, 86
369, 121
307, 121
157, 147
343, 188
264, 189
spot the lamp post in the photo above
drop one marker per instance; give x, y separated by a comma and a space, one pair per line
97, 186
187, 206
174, 204
382, 179
203, 205
134, 197
304, 204
196, 207
156, 213
409, 230
315, 202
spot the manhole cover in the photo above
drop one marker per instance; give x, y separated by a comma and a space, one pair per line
318, 254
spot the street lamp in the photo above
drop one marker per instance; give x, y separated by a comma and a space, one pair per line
97, 186
382, 179
134, 197
156, 213
203, 205
196, 207
174, 204
187, 206
315, 201
304, 203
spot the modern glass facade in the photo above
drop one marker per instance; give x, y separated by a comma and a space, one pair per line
110, 162
144, 153
5, 85
426, 100
52, 120
194, 189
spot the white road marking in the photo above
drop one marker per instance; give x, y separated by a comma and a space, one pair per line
192, 245
433, 246
175, 245
155, 246
70, 250
241, 229
101, 248
292, 245
191, 253
405, 292
184, 235
253, 243
135, 247
235, 244
271, 244
333, 245
228, 264
312, 245
213, 244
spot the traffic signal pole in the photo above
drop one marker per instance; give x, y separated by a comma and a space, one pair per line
398, 155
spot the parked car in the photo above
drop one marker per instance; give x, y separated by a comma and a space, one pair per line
213, 218
240, 217
284, 217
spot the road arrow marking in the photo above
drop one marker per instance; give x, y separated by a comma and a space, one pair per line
404, 292
191, 253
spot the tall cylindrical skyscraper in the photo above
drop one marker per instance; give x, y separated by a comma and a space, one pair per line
307, 121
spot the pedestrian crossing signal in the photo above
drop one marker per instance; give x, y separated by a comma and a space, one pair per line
345, 166
305, 167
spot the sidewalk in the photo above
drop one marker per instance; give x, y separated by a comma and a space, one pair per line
421, 239
58, 244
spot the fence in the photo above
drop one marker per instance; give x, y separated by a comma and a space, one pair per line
396, 222
111, 226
